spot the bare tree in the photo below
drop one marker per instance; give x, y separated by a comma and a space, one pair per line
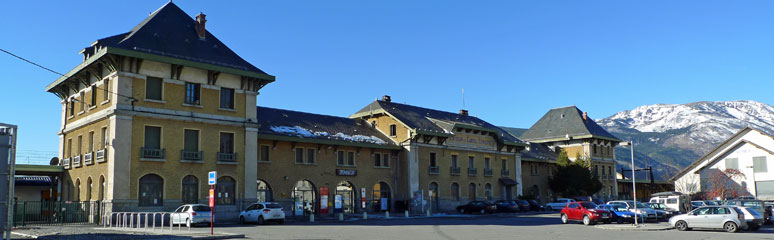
688, 184
725, 183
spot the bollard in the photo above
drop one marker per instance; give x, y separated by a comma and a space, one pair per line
386, 214
311, 217
406, 213
428, 212
365, 215
341, 216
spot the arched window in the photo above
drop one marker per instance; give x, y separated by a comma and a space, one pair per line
151, 190
190, 189
455, 191
472, 192
101, 188
225, 191
488, 191
78, 190
264, 191
88, 189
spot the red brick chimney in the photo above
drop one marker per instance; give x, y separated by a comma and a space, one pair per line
463, 112
585, 116
200, 23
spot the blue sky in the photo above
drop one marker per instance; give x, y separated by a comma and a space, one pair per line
515, 59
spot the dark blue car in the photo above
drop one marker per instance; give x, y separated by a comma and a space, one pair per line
619, 212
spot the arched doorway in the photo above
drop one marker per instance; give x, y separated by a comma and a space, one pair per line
488, 192
89, 185
381, 197
78, 190
151, 190
264, 191
346, 191
304, 198
225, 191
101, 188
434, 196
455, 191
190, 189
472, 192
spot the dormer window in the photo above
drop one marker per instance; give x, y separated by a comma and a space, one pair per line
393, 130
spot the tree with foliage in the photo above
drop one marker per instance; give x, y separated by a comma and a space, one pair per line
582, 161
574, 180
563, 160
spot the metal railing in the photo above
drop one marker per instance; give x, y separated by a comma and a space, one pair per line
455, 171
152, 153
505, 172
191, 155
101, 155
56, 213
148, 221
472, 171
88, 157
488, 172
227, 157
434, 170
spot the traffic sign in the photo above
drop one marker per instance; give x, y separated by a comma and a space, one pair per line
213, 177
212, 197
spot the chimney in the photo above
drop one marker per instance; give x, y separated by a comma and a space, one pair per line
200, 23
386, 98
585, 116
463, 112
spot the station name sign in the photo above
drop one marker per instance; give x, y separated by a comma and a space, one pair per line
346, 172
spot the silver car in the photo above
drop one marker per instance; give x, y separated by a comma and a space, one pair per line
191, 214
728, 218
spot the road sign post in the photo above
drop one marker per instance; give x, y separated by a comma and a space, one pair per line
212, 181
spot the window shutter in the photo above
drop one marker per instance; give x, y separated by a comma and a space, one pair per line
759, 164
732, 163
191, 140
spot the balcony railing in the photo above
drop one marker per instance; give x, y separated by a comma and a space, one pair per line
434, 170
152, 153
77, 161
472, 171
191, 156
455, 171
488, 172
101, 155
88, 158
227, 157
66, 163
505, 172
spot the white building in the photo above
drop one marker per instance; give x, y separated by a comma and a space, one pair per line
749, 151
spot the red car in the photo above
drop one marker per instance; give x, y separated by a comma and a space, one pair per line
584, 211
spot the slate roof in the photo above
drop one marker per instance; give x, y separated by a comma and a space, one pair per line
433, 121
567, 121
539, 152
516, 132
170, 32
302, 125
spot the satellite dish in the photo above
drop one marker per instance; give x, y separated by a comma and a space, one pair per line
54, 161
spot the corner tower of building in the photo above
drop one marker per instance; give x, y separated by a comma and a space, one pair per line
150, 111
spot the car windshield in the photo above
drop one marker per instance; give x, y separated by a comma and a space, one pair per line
641, 205
710, 203
754, 213
588, 205
752, 204
273, 205
200, 208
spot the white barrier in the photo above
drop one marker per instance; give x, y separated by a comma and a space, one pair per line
140, 221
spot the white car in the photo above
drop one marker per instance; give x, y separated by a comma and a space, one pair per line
191, 214
728, 218
559, 204
262, 212
753, 218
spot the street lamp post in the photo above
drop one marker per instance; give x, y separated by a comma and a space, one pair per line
634, 181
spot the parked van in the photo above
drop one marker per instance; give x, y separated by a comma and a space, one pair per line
674, 200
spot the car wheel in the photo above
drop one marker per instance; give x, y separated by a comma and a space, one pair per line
755, 227
587, 220
564, 218
241, 220
549, 208
730, 227
260, 220
607, 222
681, 226
188, 222
462, 210
619, 221
483, 211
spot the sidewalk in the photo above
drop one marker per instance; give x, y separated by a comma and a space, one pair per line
631, 227
92, 232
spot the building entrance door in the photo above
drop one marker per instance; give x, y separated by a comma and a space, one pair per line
381, 197
346, 191
434, 197
304, 198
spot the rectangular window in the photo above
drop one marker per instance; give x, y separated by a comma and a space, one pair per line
265, 153
192, 93
90, 147
351, 158
226, 142
83, 102
487, 164
610, 172
152, 137
732, 163
191, 140
433, 162
596, 170
310, 155
227, 98
393, 130
759, 164
106, 90
385, 160
103, 136
300, 155
70, 147
80, 144
93, 96
72, 108
340, 158
505, 165
153, 88
471, 162
454, 160
377, 160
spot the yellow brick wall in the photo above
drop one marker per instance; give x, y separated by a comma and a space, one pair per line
383, 123
87, 110
85, 171
445, 179
173, 95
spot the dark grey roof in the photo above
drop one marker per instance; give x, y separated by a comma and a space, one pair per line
431, 120
170, 32
562, 122
32, 180
295, 124
516, 132
539, 152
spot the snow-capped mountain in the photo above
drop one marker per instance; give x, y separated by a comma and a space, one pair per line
678, 134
